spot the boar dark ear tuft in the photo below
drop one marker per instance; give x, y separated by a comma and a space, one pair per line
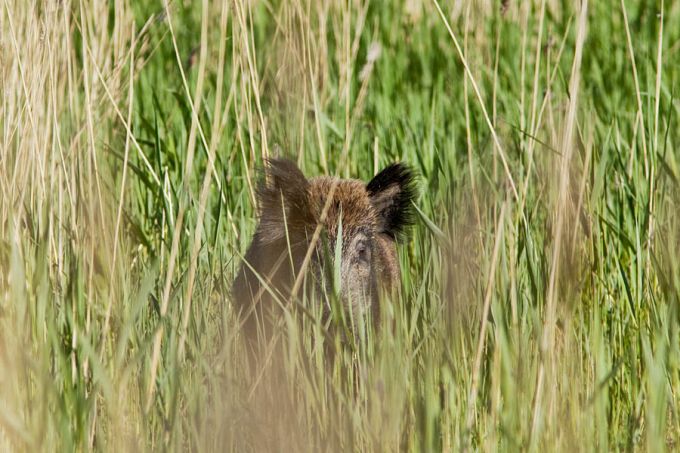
392, 192
283, 182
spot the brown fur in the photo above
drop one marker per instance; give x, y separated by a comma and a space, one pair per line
373, 217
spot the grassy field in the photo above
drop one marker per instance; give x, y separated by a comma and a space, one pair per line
541, 283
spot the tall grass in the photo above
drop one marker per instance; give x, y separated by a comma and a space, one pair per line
539, 296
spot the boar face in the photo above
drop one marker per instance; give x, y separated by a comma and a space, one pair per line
360, 225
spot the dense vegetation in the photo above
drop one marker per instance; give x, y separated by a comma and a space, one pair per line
539, 302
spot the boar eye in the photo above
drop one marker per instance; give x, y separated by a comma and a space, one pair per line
363, 252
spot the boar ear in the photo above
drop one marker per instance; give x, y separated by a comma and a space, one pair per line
391, 192
283, 195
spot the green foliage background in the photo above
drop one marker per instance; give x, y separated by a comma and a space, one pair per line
539, 302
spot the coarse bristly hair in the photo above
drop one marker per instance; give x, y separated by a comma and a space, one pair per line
286, 201
392, 191
374, 216
284, 197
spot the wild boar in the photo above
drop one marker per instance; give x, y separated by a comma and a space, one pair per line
369, 218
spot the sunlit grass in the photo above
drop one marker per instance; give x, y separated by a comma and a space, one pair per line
538, 307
